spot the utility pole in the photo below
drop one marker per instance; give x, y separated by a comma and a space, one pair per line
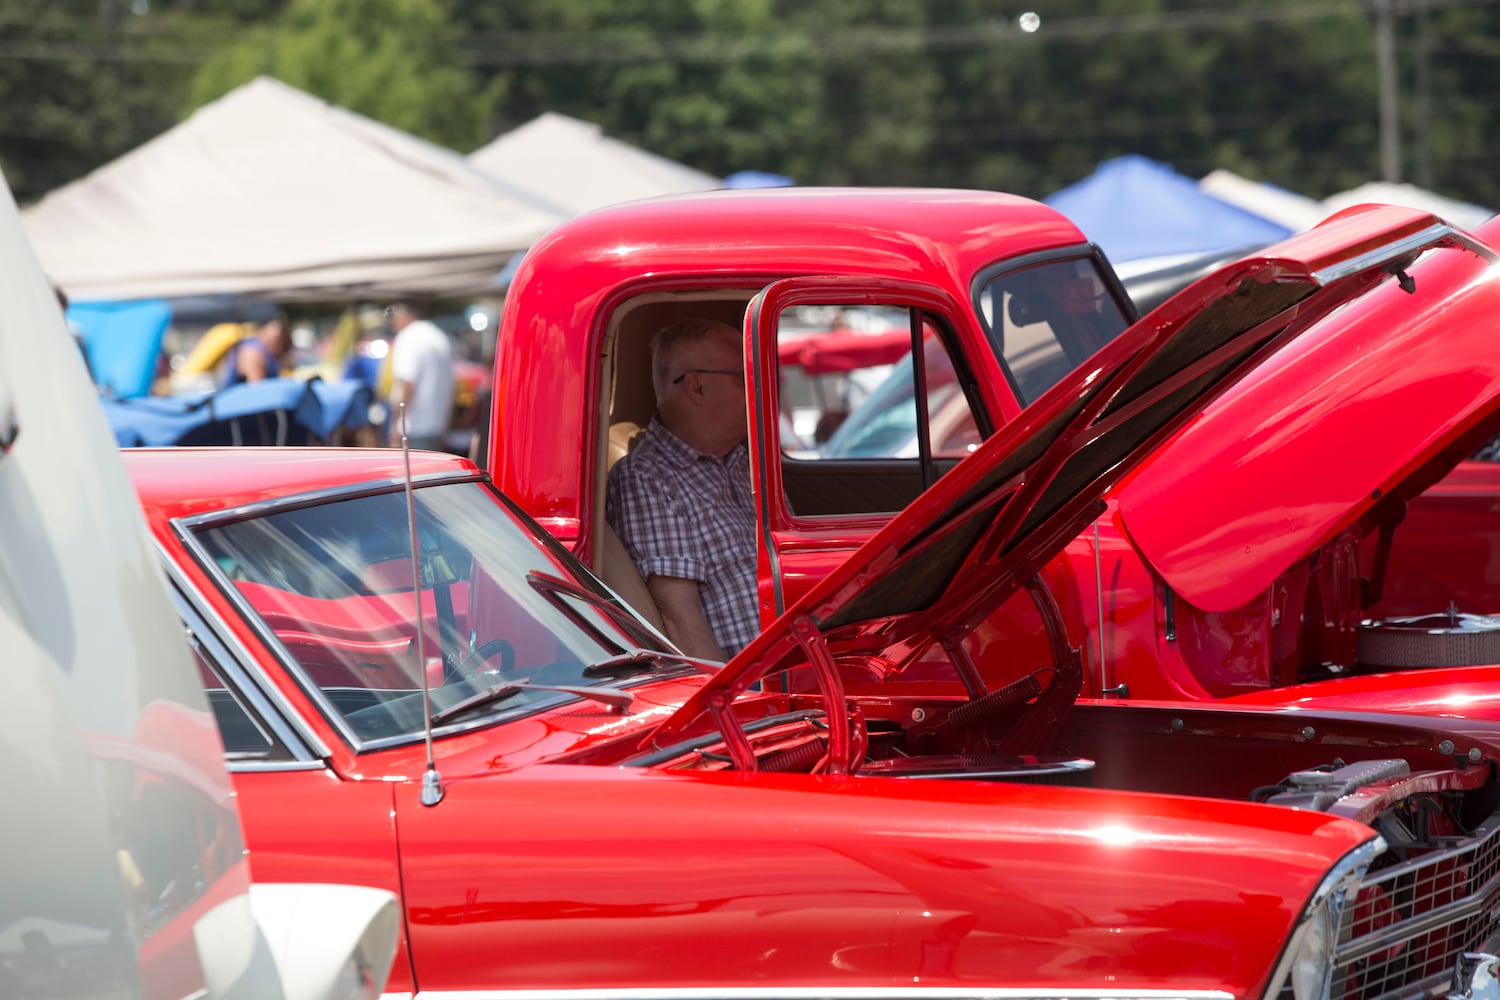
1385, 63
1423, 169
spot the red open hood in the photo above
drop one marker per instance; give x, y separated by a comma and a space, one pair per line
964, 546
1391, 385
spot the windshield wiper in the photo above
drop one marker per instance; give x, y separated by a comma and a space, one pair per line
633, 661
555, 588
613, 697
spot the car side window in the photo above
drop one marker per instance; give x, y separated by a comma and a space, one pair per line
244, 734
860, 412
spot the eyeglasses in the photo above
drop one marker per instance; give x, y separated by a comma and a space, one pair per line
710, 371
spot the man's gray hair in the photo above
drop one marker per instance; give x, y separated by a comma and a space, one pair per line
667, 345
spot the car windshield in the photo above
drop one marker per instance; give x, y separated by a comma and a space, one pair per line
332, 584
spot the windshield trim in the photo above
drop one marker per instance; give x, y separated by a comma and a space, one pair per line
188, 529
316, 498
242, 670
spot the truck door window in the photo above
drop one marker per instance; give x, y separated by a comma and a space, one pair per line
1046, 318
865, 427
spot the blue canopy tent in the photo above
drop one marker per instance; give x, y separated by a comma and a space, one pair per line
757, 179
281, 411
1135, 208
123, 341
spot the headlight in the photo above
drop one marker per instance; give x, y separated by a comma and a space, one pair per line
1307, 961
1312, 956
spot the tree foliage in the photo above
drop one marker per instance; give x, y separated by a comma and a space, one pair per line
391, 60
924, 92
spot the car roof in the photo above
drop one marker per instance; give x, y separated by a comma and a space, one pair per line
176, 482
804, 230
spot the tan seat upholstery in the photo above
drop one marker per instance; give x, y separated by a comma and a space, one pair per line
618, 572
623, 436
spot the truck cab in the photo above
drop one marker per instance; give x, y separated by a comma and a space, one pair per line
990, 298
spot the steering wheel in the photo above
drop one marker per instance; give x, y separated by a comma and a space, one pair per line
478, 660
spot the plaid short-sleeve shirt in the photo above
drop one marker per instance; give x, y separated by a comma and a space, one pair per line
686, 514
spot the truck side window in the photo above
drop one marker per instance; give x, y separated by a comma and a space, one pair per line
850, 398
1045, 319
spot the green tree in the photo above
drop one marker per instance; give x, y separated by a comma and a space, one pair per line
1450, 102
391, 60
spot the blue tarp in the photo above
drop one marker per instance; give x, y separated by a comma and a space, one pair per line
757, 179
123, 340
281, 411
1135, 208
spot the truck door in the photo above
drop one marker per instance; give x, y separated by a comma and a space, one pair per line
860, 397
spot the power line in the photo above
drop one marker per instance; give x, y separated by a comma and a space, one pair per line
197, 44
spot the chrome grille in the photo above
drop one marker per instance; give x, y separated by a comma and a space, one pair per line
1401, 935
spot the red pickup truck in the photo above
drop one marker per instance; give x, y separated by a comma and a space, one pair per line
1004, 296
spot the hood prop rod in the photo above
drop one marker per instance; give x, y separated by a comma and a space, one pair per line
1106, 689
432, 782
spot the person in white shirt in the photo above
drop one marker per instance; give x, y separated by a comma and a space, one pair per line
421, 377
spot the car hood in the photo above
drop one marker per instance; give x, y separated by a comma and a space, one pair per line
945, 563
1368, 410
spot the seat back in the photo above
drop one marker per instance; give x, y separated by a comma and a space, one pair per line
618, 572
623, 437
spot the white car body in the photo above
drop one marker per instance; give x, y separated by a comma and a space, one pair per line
122, 869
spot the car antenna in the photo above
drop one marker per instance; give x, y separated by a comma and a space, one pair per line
432, 782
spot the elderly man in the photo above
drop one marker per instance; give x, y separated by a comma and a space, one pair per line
681, 502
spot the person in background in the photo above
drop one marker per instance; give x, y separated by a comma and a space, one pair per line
421, 377
681, 500
259, 356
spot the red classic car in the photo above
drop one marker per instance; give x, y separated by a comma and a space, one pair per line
421, 691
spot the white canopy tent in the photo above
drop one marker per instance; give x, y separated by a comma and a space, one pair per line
1298, 212
573, 164
1459, 213
1294, 211
269, 191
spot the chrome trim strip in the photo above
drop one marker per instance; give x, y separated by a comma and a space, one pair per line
1342, 877
248, 677
1388, 252
759, 456
1351, 865
371, 487
818, 993
263, 766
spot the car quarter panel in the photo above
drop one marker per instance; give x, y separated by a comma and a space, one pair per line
635, 878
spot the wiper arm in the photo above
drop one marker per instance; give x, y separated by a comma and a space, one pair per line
644, 661
613, 697
554, 588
